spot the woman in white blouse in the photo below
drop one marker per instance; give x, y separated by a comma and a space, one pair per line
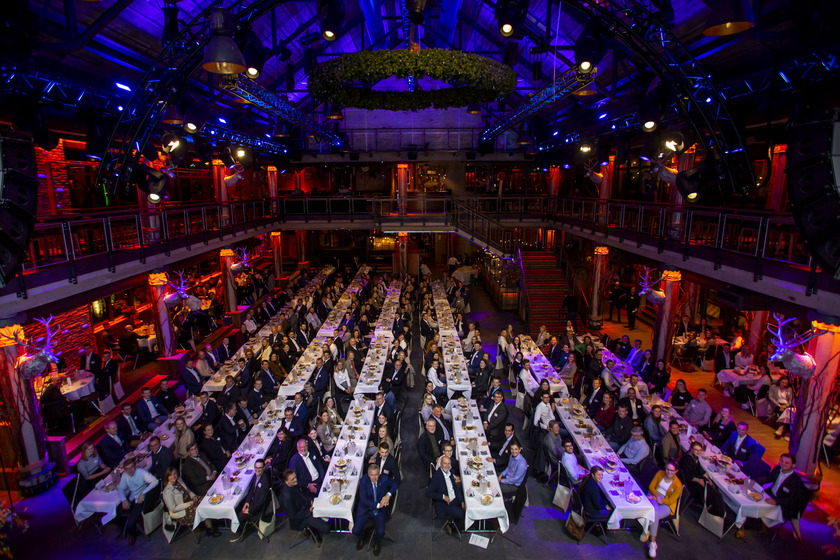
501, 350
781, 403
543, 337
265, 351
181, 502
439, 386
744, 358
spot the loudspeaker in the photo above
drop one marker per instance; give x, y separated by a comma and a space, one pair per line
18, 200
813, 174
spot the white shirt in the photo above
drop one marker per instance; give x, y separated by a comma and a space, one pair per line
342, 379
450, 491
739, 442
492, 410
88, 357
662, 488
151, 407
607, 378
573, 469
313, 472
251, 326
527, 378
432, 375
779, 481
130, 420
543, 415
641, 389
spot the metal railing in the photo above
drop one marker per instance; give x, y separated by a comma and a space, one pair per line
524, 302
114, 237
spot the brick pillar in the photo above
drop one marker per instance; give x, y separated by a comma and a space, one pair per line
53, 183
164, 329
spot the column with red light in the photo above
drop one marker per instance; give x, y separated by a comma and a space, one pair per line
164, 329
595, 319
663, 330
277, 253
226, 262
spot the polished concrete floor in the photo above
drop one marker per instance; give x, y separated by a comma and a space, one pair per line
539, 534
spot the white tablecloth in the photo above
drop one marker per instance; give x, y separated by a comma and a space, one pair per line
541, 367
390, 308
350, 451
333, 321
82, 386
734, 495
255, 446
465, 274
736, 378
370, 377
454, 364
596, 451
443, 311
480, 471
100, 501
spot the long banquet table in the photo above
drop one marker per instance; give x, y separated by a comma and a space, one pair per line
541, 367
482, 492
228, 489
454, 364
370, 377
629, 501
100, 500
733, 484
347, 465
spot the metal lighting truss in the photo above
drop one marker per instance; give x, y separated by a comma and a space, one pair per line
631, 23
566, 84
235, 137
406, 29
57, 89
275, 104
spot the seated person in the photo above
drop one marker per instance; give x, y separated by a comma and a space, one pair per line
640, 388
166, 396
785, 489
671, 445
308, 467
375, 491
298, 505
513, 476
150, 412
698, 412
500, 457
553, 443
574, 471
605, 416
112, 448
636, 449
634, 406
90, 465
181, 502
197, 471
544, 412
619, 433
653, 424
134, 484
740, 446
446, 493
693, 474
129, 426
162, 457
211, 446
256, 498
664, 492
595, 505
430, 444
721, 427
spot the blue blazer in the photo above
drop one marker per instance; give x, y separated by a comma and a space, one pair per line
143, 413
744, 453
437, 488
112, 452
367, 501
303, 476
320, 381
192, 383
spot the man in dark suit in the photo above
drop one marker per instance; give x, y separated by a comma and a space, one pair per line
302, 336
740, 446
495, 387
299, 407
112, 448
210, 411
107, 374
162, 457
211, 447
785, 489
381, 406
473, 365
495, 419
555, 354
634, 407
256, 399
129, 426
256, 498
723, 358
430, 444
320, 379
292, 423
229, 393
231, 431
280, 452
594, 398
192, 379
226, 351
375, 491
197, 471
631, 304
298, 506
211, 357
447, 434
309, 469
150, 412
500, 456
445, 490
684, 326
167, 397
270, 384
386, 462
90, 361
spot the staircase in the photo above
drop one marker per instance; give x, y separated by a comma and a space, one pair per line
546, 289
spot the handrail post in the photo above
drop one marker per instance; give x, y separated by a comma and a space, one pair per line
139, 226
187, 229
109, 242
69, 250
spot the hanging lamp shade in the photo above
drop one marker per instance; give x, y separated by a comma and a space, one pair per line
281, 130
729, 17
474, 109
222, 55
172, 115
335, 113
588, 89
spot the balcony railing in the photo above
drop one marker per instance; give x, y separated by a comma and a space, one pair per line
107, 239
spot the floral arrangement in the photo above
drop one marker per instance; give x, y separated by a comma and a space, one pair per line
347, 80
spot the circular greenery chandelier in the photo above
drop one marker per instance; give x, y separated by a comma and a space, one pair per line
347, 80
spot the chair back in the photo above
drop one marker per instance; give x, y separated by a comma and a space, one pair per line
267, 522
72, 492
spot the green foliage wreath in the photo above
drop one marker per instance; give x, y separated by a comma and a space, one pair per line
347, 79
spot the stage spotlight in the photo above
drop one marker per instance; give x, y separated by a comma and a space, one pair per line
585, 146
415, 10
509, 15
254, 54
170, 25
152, 182
651, 109
222, 55
673, 141
604, 150
195, 115
589, 50
330, 18
474, 109
694, 183
226, 156
281, 130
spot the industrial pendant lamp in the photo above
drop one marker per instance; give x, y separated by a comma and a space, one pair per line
334, 113
222, 56
729, 17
